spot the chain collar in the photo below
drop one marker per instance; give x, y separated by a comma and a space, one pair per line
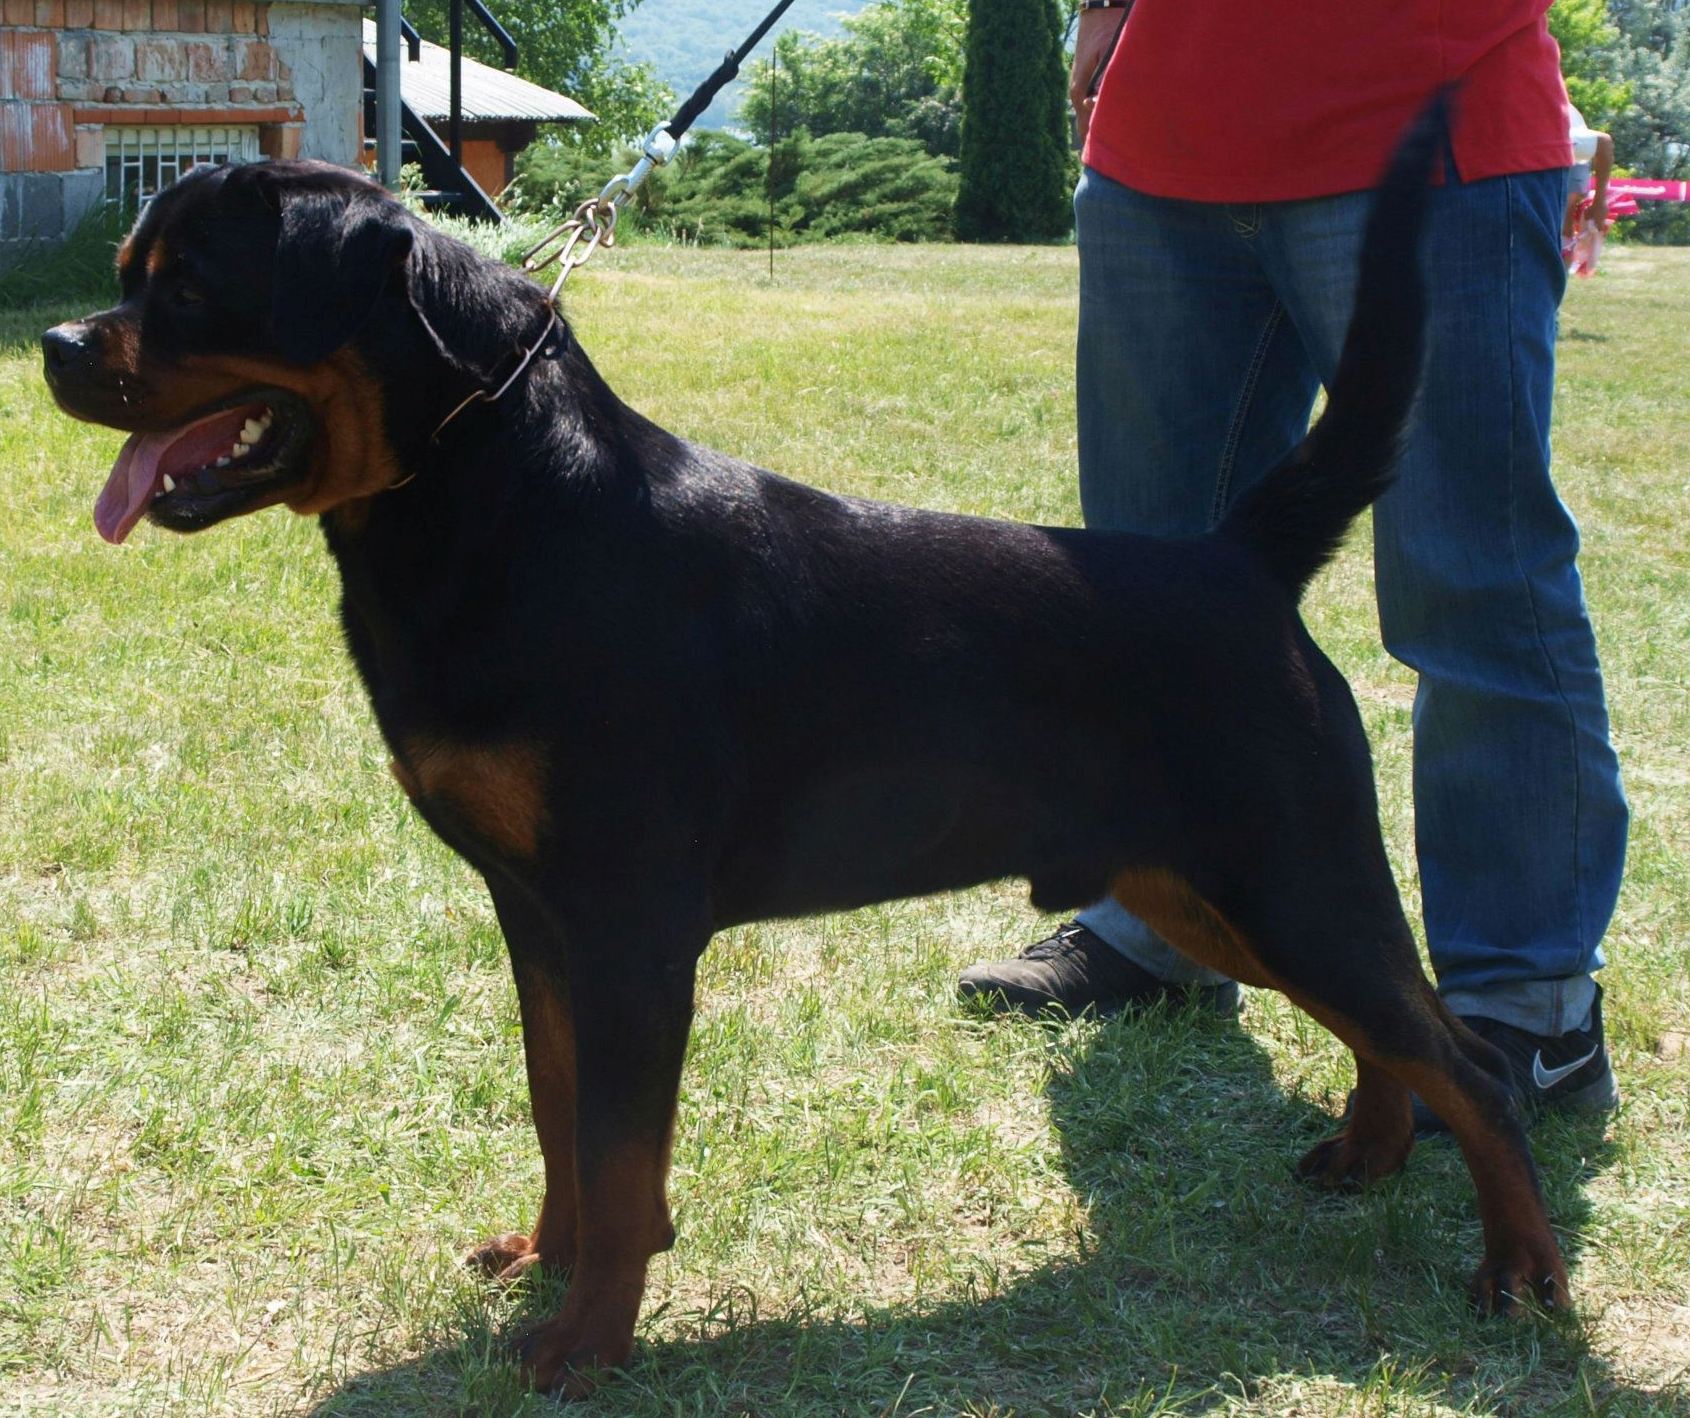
571, 244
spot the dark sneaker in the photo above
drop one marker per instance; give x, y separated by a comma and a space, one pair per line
1566, 1072
1075, 970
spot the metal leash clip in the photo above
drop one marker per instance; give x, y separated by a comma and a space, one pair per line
594, 221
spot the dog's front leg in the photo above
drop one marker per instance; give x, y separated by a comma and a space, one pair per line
632, 995
548, 1042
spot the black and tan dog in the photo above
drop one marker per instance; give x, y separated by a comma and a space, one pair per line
649, 691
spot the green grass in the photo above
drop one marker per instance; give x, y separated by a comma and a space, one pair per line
260, 1076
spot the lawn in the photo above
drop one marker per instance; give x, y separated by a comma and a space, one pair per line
260, 1069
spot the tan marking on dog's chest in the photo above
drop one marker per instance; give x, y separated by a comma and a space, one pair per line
498, 789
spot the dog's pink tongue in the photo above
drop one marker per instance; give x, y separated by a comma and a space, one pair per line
129, 489
139, 471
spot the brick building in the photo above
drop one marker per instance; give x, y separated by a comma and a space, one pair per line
112, 99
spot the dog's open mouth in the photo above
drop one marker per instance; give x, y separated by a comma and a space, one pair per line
241, 455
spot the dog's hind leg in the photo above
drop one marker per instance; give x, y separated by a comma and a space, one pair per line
1380, 1132
548, 1044
1402, 1029
1326, 929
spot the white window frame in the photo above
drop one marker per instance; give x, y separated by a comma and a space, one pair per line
142, 161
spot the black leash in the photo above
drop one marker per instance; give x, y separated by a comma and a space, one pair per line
1108, 54
726, 72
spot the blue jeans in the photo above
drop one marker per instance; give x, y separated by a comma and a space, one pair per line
1205, 331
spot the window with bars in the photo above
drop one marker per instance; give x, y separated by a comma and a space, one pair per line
141, 162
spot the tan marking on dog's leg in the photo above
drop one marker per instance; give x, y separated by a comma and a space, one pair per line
1173, 909
548, 1045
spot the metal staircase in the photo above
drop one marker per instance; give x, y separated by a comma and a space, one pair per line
449, 187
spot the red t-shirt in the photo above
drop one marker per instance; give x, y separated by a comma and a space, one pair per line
1273, 100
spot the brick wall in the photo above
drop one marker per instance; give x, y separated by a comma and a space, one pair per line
69, 68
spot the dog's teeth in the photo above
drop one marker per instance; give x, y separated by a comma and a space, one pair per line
239, 450
221, 463
251, 431
169, 483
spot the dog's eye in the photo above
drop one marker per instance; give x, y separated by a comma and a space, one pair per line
187, 296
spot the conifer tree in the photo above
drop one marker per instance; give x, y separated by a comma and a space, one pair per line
1015, 133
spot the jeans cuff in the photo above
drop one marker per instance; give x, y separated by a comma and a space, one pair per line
1116, 926
1545, 1007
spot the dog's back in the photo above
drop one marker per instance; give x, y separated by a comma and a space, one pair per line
998, 699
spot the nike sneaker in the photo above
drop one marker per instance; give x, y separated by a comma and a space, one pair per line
1562, 1071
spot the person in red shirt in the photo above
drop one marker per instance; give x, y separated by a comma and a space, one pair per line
1228, 159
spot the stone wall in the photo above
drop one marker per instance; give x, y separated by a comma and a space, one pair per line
70, 68
321, 49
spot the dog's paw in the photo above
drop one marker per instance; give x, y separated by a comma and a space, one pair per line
563, 1358
507, 1257
1346, 1162
497, 1254
1508, 1285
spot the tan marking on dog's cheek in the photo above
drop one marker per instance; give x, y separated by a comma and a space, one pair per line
351, 457
354, 459
156, 258
499, 791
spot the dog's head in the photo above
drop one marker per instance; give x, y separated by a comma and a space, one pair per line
284, 329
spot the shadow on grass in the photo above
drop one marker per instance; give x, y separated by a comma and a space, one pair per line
1208, 1275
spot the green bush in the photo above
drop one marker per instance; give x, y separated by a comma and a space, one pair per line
887, 187
716, 191
79, 269
553, 178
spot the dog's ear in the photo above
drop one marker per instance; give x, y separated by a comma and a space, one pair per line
336, 257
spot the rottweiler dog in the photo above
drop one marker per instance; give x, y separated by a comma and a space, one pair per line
648, 691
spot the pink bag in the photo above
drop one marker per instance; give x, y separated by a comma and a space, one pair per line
1584, 250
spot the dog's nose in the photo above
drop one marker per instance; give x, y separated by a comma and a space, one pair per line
65, 346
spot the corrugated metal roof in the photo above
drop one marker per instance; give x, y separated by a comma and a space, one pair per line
489, 94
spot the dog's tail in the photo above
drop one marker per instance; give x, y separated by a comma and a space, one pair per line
1294, 519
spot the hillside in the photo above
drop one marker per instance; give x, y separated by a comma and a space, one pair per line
684, 40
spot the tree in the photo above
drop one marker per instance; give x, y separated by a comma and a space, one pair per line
897, 73
1652, 133
1015, 178
566, 48
1590, 58
1627, 64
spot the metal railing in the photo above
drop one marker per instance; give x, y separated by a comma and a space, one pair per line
442, 162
